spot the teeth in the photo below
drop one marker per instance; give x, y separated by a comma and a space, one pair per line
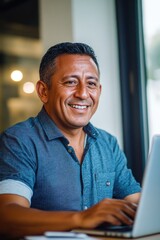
78, 106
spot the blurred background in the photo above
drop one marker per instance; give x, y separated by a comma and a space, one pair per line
126, 38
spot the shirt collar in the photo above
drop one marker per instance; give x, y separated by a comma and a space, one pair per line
53, 132
91, 130
48, 125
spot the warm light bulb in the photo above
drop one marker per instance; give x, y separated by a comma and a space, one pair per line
28, 87
16, 75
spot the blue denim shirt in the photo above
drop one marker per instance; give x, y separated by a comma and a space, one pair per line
37, 154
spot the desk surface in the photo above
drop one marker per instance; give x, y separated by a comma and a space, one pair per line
151, 237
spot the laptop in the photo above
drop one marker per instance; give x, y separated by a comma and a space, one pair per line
147, 219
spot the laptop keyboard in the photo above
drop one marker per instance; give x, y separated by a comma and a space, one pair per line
121, 228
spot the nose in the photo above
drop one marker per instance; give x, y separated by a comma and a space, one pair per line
81, 91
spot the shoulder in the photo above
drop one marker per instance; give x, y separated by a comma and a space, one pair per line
104, 136
102, 140
21, 130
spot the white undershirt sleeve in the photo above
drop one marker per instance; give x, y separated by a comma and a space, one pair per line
11, 186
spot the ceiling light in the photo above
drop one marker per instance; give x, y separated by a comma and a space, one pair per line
16, 75
28, 87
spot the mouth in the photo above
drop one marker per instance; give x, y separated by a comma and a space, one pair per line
81, 107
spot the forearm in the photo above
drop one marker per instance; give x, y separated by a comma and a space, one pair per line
17, 221
134, 198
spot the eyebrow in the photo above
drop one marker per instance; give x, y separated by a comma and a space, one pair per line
76, 76
93, 77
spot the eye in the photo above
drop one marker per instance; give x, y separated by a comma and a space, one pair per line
70, 82
92, 84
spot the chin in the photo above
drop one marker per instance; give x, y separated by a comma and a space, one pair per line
76, 123
80, 125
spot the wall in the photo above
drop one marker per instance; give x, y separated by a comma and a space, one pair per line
55, 21
92, 22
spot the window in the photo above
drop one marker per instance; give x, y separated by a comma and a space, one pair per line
151, 22
20, 50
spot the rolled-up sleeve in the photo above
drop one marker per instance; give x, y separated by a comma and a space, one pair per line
16, 163
10, 186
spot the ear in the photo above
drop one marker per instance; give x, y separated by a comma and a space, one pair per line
100, 88
42, 91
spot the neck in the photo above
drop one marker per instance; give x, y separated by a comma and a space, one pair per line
76, 140
74, 136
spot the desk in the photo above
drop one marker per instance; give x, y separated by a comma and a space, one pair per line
151, 237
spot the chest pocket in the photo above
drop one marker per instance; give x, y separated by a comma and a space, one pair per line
104, 185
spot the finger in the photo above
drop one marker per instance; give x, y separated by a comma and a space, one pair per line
122, 211
131, 205
121, 205
113, 220
124, 218
129, 211
116, 215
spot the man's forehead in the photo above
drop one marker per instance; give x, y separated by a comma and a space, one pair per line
69, 59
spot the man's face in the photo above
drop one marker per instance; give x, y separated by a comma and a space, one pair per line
74, 94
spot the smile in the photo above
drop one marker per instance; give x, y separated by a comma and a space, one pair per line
78, 106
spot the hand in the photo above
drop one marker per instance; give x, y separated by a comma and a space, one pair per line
112, 211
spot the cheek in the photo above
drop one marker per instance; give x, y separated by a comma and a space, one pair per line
95, 96
62, 98
67, 94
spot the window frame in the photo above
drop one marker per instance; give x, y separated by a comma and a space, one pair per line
133, 82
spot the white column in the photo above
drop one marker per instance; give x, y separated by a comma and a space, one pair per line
55, 22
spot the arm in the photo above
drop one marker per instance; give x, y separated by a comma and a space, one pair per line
126, 186
17, 219
134, 198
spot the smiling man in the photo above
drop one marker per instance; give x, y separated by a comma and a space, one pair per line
58, 171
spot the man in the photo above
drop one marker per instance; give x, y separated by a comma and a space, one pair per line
59, 172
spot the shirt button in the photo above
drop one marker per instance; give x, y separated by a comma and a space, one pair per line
69, 150
108, 183
85, 207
